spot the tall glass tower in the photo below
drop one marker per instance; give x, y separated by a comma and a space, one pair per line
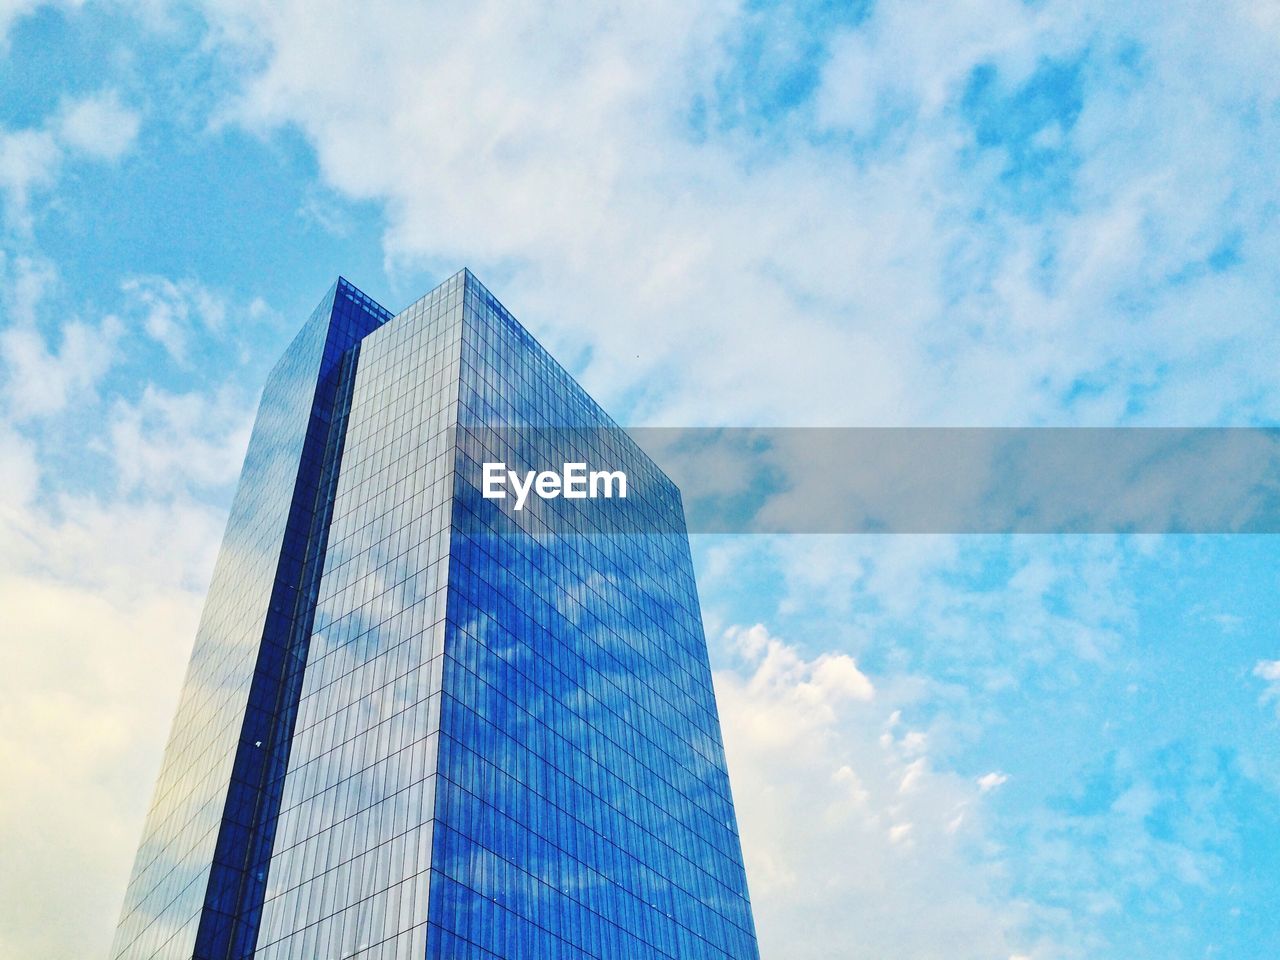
424, 722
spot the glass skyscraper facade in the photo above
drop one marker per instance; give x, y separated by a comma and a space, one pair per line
420, 722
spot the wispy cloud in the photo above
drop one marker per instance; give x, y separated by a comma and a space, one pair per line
1013, 209
99, 127
166, 442
173, 312
1269, 672
990, 781
11, 11
29, 161
40, 376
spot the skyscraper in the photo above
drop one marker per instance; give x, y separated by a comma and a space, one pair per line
422, 721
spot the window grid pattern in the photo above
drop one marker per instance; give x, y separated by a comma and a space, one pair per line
197, 818
349, 875
582, 804
418, 723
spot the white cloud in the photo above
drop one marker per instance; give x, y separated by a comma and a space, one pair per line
37, 375
99, 125
326, 211
819, 684
568, 163
29, 161
83, 733
989, 781
167, 442
811, 279
914, 55
25, 282
870, 274
89, 589
960, 631
41, 378
175, 311
11, 11
847, 828
19, 473
1269, 670
1139, 834
91, 586
1057, 604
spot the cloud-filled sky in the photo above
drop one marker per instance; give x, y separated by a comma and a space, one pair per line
985, 213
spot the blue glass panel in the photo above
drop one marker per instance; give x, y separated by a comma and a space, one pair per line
419, 723
196, 887
582, 804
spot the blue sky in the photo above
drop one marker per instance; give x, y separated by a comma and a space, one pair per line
991, 213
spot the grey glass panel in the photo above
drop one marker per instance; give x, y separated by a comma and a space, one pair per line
349, 874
